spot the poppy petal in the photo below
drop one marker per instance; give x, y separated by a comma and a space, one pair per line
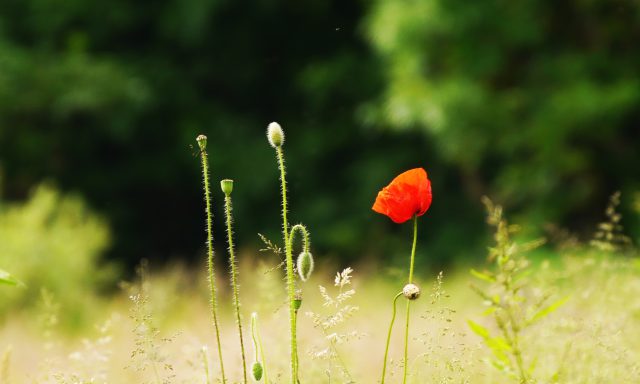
408, 194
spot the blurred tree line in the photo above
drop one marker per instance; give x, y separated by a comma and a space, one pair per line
535, 103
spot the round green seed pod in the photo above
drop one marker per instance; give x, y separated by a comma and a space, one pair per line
305, 265
227, 186
256, 371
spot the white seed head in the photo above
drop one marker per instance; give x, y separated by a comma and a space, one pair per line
275, 135
411, 291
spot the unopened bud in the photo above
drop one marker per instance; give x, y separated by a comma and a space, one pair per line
297, 300
227, 186
411, 291
202, 142
305, 265
275, 135
256, 370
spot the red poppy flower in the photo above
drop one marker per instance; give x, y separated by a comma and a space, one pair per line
407, 195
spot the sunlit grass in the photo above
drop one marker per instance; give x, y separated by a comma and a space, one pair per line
592, 338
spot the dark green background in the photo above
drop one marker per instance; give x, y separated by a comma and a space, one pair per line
534, 103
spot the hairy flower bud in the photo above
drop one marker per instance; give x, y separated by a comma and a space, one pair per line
202, 142
297, 300
411, 291
305, 265
256, 370
275, 135
227, 186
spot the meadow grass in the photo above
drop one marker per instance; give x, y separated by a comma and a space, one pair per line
592, 338
565, 313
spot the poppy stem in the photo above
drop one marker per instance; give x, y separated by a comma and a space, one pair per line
234, 279
289, 268
386, 348
257, 345
406, 331
202, 142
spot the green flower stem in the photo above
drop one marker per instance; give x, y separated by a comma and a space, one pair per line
257, 346
306, 244
289, 267
212, 277
234, 280
386, 348
205, 364
406, 330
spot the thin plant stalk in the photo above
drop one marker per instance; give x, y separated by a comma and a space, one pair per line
205, 364
202, 142
289, 268
386, 348
257, 345
406, 330
234, 277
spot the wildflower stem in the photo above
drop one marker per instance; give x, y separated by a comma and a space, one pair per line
406, 330
306, 244
257, 345
289, 268
212, 282
386, 349
205, 364
234, 280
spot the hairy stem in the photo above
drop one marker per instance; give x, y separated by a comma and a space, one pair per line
212, 277
306, 243
289, 267
406, 329
386, 348
234, 280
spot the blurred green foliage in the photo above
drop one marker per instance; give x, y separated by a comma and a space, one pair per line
536, 102
52, 242
533, 103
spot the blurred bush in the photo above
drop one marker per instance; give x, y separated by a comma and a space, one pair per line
52, 242
536, 102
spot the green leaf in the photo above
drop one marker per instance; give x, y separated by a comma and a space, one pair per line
8, 279
479, 330
483, 276
548, 309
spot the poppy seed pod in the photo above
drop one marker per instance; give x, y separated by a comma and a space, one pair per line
275, 135
256, 371
411, 291
227, 186
202, 142
305, 265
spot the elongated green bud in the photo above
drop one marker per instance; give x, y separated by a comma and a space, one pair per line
227, 186
305, 265
256, 370
275, 135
